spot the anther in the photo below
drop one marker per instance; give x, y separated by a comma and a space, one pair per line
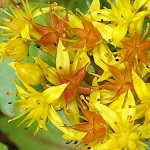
46, 75
77, 10
55, 44
71, 62
84, 107
116, 59
37, 102
7, 93
110, 40
9, 120
140, 133
15, 55
26, 127
42, 118
60, 67
115, 24
48, 66
76, 142
82, 97
134, 10
47, 85
87, 98
68, 142
68, 110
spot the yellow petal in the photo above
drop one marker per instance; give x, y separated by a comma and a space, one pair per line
50, 72
110, 116
105, 30
57, 121
25, 32
128, 113
95, 5
54, 92
140, 87
121, 28
62, 59
72, 112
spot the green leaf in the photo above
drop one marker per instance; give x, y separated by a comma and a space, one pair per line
3, 146
25, 140
47, 58
7, 77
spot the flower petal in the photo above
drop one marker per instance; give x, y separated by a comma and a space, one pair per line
54, 92
140, 87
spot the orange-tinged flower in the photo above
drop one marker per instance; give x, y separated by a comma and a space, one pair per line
122, 80
95, 127
67, 71
136, 48
89, 35
50, 34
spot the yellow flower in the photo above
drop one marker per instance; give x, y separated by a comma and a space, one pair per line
17, 49
37, 106
124, 15
124, 131
18, 23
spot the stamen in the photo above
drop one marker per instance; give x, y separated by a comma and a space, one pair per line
68, 142
9, 120
60, 67
76, 142
26, 127
38, 102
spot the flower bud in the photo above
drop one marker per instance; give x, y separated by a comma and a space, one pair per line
29, 72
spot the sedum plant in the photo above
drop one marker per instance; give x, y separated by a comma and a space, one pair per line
92, 66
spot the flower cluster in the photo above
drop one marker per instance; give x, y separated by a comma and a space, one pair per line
92, 67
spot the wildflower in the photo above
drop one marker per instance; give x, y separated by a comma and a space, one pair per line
18, 25
67, 71
125, 133
50, 34
17, 49
94, 127
125, 15
90, 36
37, 105
136, 48
122, 81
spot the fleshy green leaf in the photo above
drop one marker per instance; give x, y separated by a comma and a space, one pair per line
3, 147
7, 77
47, 58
